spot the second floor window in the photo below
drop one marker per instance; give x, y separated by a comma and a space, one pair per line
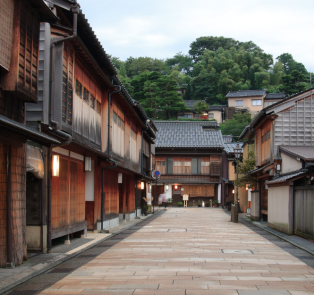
256, 102
78, 88
86, 95
92, 102
239, 103
118, 121
266, 136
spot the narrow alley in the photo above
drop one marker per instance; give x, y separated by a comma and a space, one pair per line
183, 251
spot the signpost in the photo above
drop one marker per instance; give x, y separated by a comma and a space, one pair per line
156, 175
185, 200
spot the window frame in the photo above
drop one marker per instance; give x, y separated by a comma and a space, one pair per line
239, 105
256, 100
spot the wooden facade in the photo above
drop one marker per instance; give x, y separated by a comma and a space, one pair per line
19, 47
86, 193
189, 156
286, 123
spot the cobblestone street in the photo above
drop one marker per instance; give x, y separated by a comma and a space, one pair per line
184, 251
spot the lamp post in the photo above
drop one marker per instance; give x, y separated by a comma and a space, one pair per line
237, 154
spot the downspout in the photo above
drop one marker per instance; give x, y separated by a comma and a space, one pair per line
75, 10
109, 160
10, 262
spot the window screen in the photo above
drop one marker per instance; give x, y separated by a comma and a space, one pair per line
169, 165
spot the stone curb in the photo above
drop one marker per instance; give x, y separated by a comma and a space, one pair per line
60, 259
279, 236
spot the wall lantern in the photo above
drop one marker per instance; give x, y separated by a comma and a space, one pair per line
167, 187
247, 187
119, 177
88, 164
233, 191
142, 185
175, 187
55, 165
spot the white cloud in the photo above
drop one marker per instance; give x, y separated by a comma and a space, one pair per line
161, 29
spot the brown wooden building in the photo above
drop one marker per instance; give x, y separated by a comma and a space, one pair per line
19, 52
106, 136
189, 158
287, 123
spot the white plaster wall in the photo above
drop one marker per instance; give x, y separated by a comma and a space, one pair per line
169, 192
89, 183
289, 164
278, 206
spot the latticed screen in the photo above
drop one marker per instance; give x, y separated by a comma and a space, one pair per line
67, 86
6, 32
28, 50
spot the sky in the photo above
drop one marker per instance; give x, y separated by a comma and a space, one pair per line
162, 28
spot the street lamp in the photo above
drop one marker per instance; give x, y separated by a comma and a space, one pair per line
237, 154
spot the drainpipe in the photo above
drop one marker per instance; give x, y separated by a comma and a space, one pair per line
10, 262
75, 10
102, 189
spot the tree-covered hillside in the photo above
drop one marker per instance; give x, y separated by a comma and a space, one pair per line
213, 67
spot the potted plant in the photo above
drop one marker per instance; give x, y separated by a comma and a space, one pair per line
207, 204
199, 204
169, 201
145, 209
215, 203
180, 204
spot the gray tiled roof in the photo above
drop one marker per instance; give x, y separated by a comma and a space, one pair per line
244, 93
188, 134
286, 177
217, 108
304, 152
271, 96
229, 147
227, 138
191, 103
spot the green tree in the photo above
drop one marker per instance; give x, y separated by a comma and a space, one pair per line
290, 64
137, 66
293, 83
200, 107
247, 165
151, 102
183, 62
236, 125
170, 101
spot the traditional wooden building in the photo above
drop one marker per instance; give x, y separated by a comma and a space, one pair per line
99, 172
19, 83
189, 158
278, 127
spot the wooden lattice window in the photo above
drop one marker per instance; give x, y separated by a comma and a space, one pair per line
215, 168
28, 50
67, 86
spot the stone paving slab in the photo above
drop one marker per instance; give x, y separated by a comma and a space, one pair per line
201, 252
40, 263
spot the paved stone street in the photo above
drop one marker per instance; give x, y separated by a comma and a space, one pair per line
184, 251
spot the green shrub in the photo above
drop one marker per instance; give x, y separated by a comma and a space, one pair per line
207, 204
169, 201
215, 202
180, 204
